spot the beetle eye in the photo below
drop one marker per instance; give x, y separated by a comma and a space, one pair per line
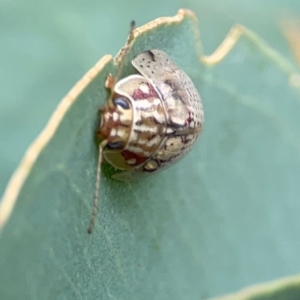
115, 145
121, 102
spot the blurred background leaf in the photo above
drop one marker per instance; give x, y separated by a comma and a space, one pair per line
248, 219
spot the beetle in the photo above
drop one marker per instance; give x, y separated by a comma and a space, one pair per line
151, 120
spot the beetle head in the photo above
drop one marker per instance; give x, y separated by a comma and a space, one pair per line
115, 124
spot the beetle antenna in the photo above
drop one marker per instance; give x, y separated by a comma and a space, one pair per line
97, 187
132, 26
130, 38
126, 49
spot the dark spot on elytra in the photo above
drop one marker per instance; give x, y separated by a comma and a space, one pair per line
168, 82
139, 123
151, 54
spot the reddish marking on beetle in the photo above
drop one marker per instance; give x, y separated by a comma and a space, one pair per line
140, 95
185, 140
189, 120
129, 155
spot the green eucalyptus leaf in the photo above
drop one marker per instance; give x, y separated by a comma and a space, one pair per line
224, 217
